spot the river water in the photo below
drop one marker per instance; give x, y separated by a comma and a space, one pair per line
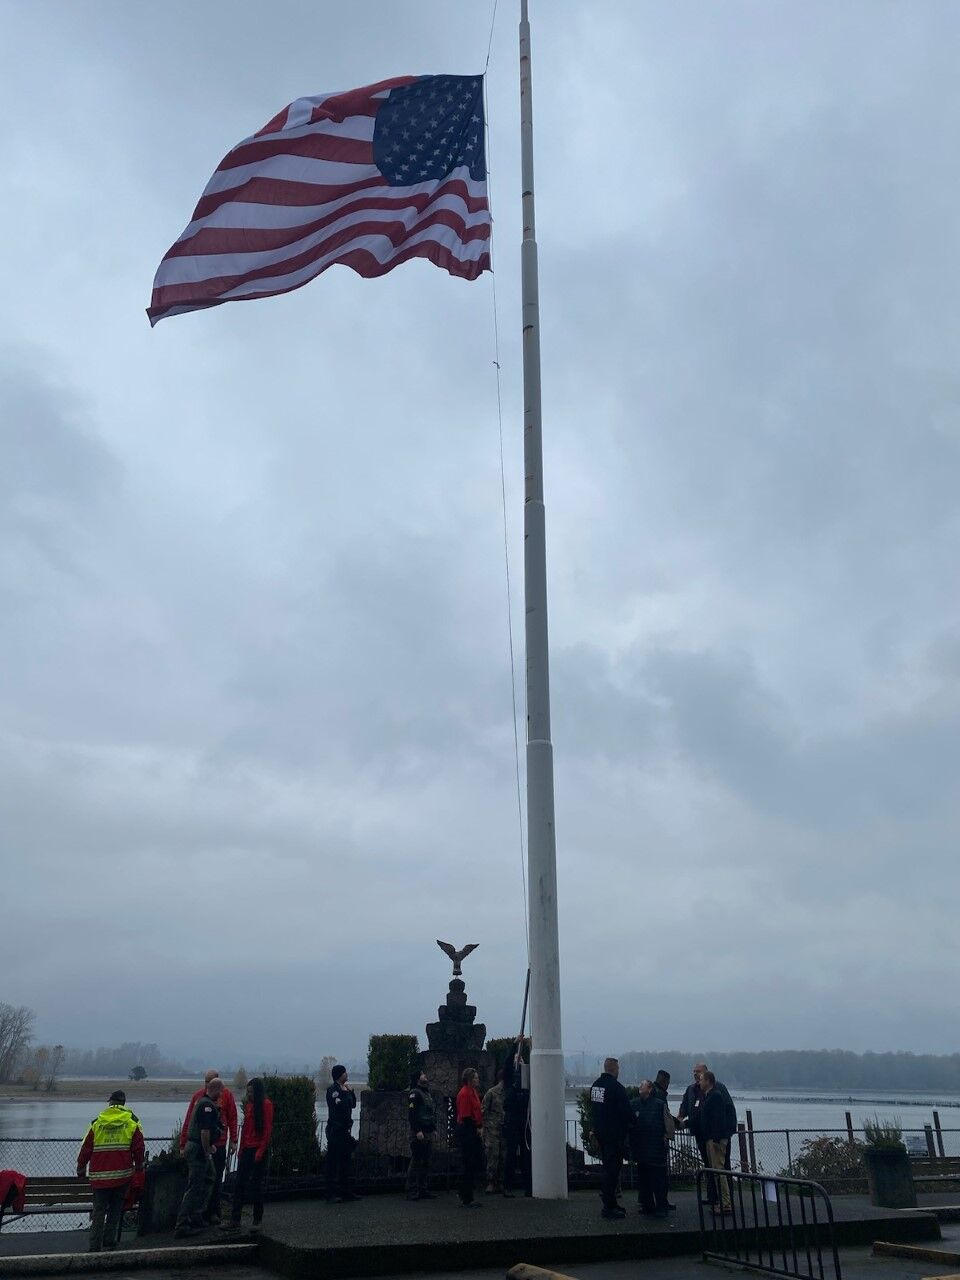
771, 1109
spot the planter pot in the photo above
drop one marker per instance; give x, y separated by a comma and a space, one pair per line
890, 1179
165, 1184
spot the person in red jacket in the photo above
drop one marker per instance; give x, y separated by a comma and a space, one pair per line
254, 1154
113, 1148
228, 1129
469, 1136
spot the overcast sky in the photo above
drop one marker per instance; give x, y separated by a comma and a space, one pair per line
256, 749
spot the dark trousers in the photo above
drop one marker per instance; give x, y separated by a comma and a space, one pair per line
418, 1171
515, 1150
611, 1157
471, 1161
219, 1164
105, 1220
200, 1179
652, 1186
251, 1175
339, 1150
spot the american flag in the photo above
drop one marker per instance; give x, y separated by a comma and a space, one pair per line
366, 178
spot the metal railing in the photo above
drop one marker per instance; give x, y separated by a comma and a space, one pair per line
768, 1224
53, 1159
834, 1157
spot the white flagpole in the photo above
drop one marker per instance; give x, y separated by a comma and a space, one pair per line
547, 1111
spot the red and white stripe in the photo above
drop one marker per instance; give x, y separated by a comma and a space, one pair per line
303, 194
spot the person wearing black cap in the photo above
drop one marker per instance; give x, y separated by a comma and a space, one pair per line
113, 1148
422, 1113
341, 1100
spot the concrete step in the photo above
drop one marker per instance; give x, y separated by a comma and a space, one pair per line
176, 1257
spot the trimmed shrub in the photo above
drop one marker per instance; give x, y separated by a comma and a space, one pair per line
502, 1047
294, 1148
391, 1060
829, 1160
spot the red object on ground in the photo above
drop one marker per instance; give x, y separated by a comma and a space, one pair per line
13, 1190
134, 1190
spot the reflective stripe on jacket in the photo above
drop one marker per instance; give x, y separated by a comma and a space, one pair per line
113, 1147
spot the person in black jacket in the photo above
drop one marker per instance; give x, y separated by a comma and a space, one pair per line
612, 1120
341, 1101
718, 1122
649, 1139
516, 1106
422, 1113
688, 1117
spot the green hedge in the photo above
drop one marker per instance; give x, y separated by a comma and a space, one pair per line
501, 1048
391, 1060
294, 1148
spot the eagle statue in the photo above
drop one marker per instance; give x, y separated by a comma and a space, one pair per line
455, 955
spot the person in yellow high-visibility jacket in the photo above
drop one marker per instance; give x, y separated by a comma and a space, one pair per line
113, 1148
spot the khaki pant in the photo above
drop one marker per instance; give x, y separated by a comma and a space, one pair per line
493, 1150
717, 1159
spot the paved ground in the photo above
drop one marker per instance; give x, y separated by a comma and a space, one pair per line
324, 1231
391, 1220
857, 1264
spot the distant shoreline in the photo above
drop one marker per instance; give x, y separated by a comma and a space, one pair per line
100, 1090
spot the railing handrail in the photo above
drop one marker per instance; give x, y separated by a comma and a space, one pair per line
739, 1242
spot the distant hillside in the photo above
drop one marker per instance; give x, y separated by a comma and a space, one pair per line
819, 1069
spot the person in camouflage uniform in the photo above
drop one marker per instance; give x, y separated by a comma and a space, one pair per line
493, 1133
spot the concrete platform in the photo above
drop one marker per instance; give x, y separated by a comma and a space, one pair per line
388, 1236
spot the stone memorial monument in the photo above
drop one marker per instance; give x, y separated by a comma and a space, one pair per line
455, 1042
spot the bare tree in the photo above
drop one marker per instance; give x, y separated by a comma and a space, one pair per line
54, 1067
240, 1079
327, 1063
16, 1032
35, 1070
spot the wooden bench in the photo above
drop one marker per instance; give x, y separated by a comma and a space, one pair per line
52, 1195
941, 1169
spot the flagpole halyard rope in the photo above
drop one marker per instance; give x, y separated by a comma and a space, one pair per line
493, 19
503, 505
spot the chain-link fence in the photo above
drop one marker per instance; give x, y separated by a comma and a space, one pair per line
59, 1201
